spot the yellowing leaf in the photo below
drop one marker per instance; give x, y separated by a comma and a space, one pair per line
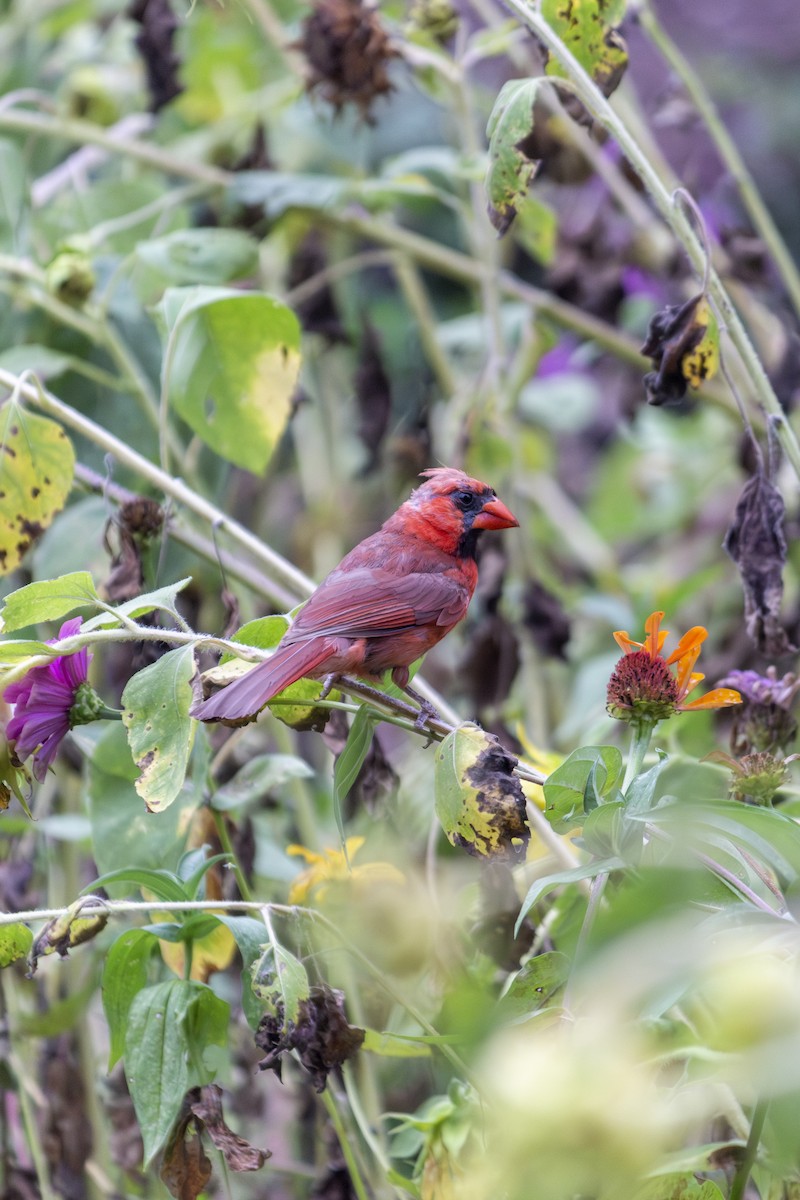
479, 800
36, 467
211, 953
230, 367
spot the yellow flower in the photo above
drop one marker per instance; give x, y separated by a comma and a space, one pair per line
643, 688
335, 867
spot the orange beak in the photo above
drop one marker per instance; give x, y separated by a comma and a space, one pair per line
495, 515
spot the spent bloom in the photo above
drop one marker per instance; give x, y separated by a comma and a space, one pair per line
765, 721
49, 701
334, 867
643, 687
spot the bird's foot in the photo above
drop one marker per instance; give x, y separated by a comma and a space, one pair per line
327, 685
426, 713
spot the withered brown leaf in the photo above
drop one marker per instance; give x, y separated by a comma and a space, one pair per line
322, 1036
185, 1168
757, 544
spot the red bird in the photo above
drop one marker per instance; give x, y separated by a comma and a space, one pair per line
391, 598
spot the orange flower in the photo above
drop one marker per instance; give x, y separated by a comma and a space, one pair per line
643, 688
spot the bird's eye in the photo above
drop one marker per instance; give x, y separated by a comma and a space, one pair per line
464, 500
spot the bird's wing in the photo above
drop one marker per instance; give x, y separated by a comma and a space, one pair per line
369, 602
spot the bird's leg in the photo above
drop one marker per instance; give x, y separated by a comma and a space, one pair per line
426, 710
327, 685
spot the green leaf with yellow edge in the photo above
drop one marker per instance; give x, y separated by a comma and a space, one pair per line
47, 600
511, 171
702, 361
155, 712
586, 27
230, 368
37, 463
479, 801
15, 942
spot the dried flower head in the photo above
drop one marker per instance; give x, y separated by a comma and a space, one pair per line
348, 52
765, 721
643, 689
755, 778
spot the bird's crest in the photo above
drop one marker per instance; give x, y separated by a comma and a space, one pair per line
445, 479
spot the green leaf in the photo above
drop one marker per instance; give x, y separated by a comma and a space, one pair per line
603, 829
15, 942
47, 600
124, 976
230, 369
155, 712
194, 256
586, 27
536, 230
263, 633
170, 1027
533, 986
251, 936
598, 866
36, 468
641, 790
479, 801
123, 832
256, 778
163, 598
276, 192
16, 651
565, 789
350, 762
279, 979
47, 363
163, 884
510, 170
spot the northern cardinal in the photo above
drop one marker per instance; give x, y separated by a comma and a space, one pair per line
391, 598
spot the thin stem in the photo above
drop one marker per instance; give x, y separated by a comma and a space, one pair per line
674, 216
84, 132
750, 1151
640, 744
227, 846
345, 1145
758, 212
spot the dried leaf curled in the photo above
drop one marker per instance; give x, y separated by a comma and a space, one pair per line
757, 544
322, 1036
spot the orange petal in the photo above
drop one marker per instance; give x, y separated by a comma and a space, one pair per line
654, 640
694, 638
625, 643
719, 698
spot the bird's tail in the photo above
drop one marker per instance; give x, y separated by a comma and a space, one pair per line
245, 696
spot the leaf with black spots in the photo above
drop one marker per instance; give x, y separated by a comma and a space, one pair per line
36, 468
511, 171
479, 800
72, 928
683, 342
587, 29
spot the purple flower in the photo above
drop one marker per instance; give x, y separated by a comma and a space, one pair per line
765, 689
43, 701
